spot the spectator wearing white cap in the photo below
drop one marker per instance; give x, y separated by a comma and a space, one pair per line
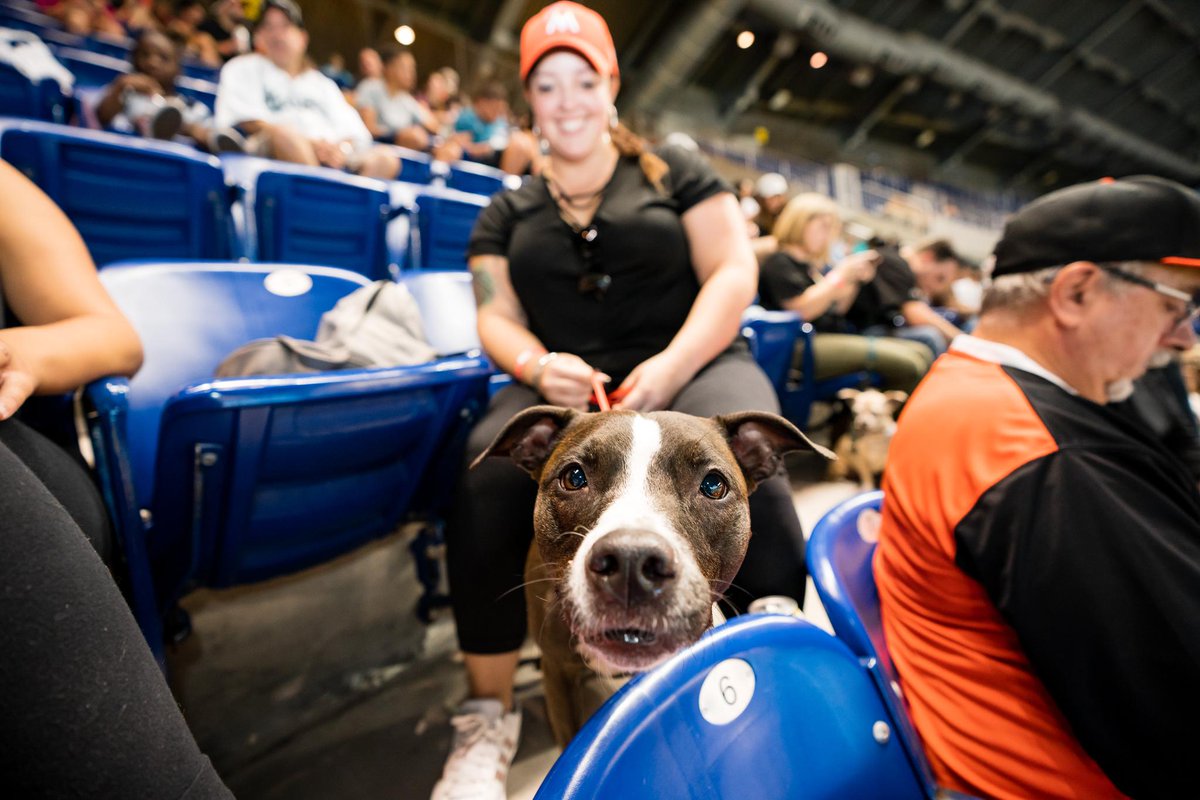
771, 192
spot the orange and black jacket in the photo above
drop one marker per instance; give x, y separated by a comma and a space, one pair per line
1039, 576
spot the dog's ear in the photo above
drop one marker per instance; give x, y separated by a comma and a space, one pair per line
895, 399
759, 440
529, 437
848, 394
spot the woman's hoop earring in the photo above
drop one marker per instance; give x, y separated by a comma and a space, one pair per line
613, 121
543, 145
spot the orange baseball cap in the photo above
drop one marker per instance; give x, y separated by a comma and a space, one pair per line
569, 26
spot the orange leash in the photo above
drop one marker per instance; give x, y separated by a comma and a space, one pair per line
600, 398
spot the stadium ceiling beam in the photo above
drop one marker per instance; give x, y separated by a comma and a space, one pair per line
683, 50
785, 48
504, 29
912, 54
909, 84
1083, 51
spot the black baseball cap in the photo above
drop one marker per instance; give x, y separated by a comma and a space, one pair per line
289, 9
1141, 218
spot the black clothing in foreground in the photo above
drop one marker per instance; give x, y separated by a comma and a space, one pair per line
65, 479
84, 709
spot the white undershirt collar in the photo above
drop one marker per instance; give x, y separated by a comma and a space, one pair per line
1008, 356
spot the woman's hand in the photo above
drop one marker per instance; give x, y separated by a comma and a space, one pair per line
565, 380
654, 383
858, 268
16, 382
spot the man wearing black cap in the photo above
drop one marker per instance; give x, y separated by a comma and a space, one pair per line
288, 109
1039, 559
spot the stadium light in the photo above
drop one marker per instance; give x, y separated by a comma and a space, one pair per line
405, 35
818, 60
745, 39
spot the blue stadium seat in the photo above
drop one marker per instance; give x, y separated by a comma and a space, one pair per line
445, 218
129, 198
116, 47
415, 166
21, 97
839, 560
773, 336
91, 68
312, 215
475, 178
764, 706
200, 72
220, 482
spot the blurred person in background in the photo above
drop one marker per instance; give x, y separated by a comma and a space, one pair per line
388, 107
147, 102
226, 24
370, 65
481, 132
771, 192
795, 279
288, 110
896, 301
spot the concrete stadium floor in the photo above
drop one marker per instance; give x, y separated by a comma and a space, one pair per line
324, 685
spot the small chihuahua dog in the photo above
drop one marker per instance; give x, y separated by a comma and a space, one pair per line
862, 451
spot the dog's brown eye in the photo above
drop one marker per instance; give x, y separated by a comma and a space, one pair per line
573, 478
714, 486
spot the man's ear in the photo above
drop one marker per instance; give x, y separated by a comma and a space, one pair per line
759, 440
1072, 291
529, 437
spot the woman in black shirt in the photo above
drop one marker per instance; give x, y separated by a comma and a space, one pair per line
615, 260
792, 279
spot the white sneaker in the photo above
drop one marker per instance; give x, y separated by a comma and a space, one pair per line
485, 741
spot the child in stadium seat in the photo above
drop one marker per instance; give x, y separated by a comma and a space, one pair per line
147, 102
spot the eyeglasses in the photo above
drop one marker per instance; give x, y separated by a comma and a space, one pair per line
593, 282
1191, 302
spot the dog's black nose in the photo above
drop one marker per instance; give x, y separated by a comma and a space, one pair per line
631, 566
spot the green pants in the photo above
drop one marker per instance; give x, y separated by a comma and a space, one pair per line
900, 362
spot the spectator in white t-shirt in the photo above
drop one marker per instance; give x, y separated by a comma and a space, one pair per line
288, 109
388, 107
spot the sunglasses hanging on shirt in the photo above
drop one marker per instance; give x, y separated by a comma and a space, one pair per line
594, 282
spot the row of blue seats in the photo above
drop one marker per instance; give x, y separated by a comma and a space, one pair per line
216, 482
134, 198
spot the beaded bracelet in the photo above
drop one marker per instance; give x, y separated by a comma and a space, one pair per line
535, 380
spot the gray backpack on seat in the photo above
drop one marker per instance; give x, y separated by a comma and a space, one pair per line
375, 326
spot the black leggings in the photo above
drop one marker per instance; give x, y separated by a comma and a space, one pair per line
490, 528
65, 479
84, 709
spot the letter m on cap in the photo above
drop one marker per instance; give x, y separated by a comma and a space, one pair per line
562, 20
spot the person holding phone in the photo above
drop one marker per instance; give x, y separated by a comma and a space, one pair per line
794, 279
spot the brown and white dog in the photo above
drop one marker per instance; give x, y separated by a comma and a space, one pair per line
640, 524
863, 449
